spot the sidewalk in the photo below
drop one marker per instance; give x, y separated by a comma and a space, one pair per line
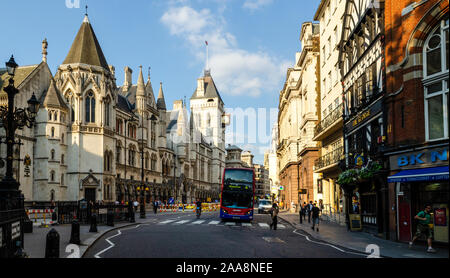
338, 235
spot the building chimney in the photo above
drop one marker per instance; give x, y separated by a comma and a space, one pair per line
44, 50
128, 79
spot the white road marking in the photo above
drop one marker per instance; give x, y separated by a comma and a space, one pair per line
111, 245
230, 224
263, 225
273, 239
119, 232
337, 248
166, 222
198, 222
181, 222
214, 222
247, 224
281, 226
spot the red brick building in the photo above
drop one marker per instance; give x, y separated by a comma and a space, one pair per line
417, 53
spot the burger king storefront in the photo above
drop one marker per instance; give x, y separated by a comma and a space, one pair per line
419, 178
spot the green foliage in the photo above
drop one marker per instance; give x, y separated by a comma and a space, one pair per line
357, 175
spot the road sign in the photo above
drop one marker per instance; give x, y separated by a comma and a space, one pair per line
171, 201
281, 188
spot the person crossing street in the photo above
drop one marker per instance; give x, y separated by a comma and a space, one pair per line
274, 212
315, 216
309, 210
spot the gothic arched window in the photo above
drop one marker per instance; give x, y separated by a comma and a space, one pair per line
52, 154
90, 108
52, 176
53, 132
435, 69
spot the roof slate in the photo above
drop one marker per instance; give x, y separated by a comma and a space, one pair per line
86, 49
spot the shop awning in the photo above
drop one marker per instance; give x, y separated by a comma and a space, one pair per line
425, 174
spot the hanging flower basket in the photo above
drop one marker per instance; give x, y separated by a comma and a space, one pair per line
353, 176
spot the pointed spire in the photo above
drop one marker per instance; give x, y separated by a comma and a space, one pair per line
161, 103
149, 69
86, 48
140, 85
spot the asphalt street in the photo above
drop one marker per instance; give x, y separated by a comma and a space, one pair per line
182, 235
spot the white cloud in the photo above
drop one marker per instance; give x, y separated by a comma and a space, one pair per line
235, 70
256, 4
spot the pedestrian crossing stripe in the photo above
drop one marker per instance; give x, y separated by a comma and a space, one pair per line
198, 222
182, 222
217, 223
167, 222
213, 222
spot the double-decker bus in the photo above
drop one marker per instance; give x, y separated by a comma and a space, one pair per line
237, 194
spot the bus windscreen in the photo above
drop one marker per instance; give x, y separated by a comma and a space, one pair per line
238, 189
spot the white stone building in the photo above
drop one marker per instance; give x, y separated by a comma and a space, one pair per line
92, 138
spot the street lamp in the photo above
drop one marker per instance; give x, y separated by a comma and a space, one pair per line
11, 198
142, 206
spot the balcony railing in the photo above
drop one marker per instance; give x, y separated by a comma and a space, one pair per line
330, 158
329, 120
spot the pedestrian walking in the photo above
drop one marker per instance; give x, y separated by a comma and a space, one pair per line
274, 212
423, 228
302, 211
315, 216
309, 210
155, 206
135, 205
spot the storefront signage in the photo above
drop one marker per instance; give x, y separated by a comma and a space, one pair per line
422, 159
440, 217
365, 116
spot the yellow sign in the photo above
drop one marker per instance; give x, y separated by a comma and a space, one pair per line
355, 222
361, 118
208, 199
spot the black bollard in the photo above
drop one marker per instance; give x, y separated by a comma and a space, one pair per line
110, 218
75, 233
52, 244
93, 228
131, 213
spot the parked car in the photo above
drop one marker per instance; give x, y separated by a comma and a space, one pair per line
264, 206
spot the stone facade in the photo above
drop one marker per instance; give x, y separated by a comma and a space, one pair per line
297, 119
328, 132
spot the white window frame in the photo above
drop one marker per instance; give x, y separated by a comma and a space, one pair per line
442, 76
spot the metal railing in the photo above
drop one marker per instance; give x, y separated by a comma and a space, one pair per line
329, 120
330, 158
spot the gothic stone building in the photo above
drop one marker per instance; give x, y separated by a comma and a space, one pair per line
92, 138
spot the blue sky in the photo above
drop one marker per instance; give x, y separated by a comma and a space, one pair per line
251, 42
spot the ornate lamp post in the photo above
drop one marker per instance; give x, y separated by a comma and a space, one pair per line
142, 206
11, 199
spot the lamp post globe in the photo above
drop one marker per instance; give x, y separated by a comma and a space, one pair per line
11, 66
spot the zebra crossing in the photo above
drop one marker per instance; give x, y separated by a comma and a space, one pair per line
177, 222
